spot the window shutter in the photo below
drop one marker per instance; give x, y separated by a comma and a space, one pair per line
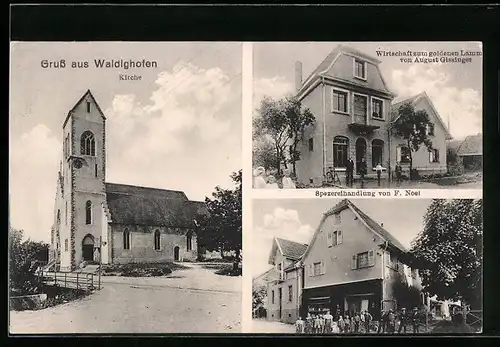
398, 153
431, 155
371, 258
354, 263
329, 239
339, 237
311, 270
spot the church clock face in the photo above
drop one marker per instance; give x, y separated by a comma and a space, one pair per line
77, 163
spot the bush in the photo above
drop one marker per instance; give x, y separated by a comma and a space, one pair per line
141, 270
229, 271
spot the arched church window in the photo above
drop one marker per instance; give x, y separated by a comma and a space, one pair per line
157, 240
88, 212
189, 242
126, 239
87, 143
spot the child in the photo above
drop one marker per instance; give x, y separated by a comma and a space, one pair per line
271, 183
258, 181
357, 321
317, 324
321, 324
335, 328
347, 322
341, 324
287, 180
299, 326
328, 322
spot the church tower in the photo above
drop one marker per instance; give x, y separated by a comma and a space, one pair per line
83, 176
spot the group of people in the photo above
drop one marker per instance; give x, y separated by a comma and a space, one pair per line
360, 322
266, 179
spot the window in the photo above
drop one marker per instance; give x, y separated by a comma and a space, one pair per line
126, 239
95, 170
337, 237
311, 145
290, 293
359, 69
430, 129
189, 243
329, 239
362, 260
88, 106
377, 109
403, 154
360, 105
272, 297
65, 245
157, 240
337, 218
339, 101
317, 269
87, 144
434, 156
88, 212
340, 150
377, 152
58, 217
66, 214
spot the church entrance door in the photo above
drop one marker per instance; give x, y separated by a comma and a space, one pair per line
88, 248
176, 253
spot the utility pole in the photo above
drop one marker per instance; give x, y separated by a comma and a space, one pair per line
100, 261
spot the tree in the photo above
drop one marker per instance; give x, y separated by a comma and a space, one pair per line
24, 258
281, 121
448, 252
411, 126
259, 294
221, 227
264, 153
299, 118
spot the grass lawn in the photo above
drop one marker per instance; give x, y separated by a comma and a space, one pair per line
141, 269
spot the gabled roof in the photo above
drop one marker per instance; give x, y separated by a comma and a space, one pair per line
135, 205
413, 100
89, 93
472, 145
367, 220
289, 249
330, 60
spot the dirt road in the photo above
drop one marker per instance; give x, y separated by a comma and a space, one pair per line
195, 300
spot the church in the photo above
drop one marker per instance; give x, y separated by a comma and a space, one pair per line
96, 221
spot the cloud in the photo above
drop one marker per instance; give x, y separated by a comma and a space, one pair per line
34, 159
282, 223
462, 106
275, 88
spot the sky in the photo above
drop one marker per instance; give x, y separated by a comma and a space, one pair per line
179, 127
454, 88
297, 220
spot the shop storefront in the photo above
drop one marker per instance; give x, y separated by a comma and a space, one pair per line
346, 298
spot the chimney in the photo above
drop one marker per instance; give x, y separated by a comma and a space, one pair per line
298, 75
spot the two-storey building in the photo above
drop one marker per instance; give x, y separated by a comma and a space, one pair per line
351, 264
285, 289
351, 102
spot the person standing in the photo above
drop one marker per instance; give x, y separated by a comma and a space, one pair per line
391, 322
368, 319
309, 324
415, 320
383, 322
287, 180
399, 171
403, 320
341, 324
357, 321
347, 327
379, 169
259, 181
349, 172
328, 322
317, 324
299, 326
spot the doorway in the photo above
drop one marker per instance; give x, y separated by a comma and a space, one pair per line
176, 253
88, 248
360, 152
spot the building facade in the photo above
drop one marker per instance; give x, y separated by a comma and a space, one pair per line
96, 221
350, 265
351, 102
284, 289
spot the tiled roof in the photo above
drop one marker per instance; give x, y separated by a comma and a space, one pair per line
290, 249
150, 206
472, 145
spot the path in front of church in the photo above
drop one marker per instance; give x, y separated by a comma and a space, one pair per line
195, 300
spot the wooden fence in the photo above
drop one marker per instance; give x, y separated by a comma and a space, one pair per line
71, 280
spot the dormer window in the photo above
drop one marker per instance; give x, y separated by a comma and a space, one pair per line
360, 69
